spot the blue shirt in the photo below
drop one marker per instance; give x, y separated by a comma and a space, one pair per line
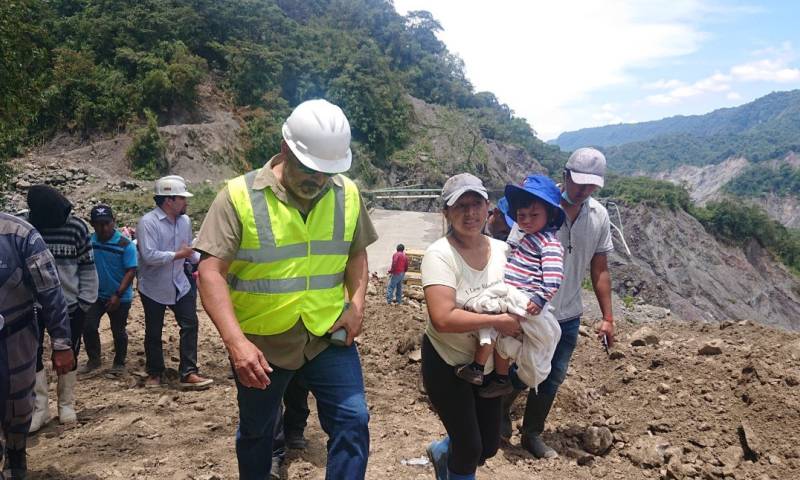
112, 259
161, 277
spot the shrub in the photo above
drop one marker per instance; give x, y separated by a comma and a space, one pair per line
147, 154
654, 193
738, 223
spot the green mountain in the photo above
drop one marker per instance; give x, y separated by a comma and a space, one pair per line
93, 67
765, 129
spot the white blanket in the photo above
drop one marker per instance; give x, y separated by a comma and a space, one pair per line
540, 333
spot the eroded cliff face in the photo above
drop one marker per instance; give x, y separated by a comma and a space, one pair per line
445, 142
676, 264
707, 184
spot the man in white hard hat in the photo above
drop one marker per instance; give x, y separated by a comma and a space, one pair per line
282, 248
164, 235
586, 238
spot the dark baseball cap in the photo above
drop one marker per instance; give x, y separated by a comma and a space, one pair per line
101, 213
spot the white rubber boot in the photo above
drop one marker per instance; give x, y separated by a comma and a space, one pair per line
66, 397
41, 410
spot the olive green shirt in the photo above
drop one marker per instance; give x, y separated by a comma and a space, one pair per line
220, 236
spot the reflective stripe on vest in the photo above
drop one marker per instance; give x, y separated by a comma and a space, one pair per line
267, 251
287, 268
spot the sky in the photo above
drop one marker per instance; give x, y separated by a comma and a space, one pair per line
570, 64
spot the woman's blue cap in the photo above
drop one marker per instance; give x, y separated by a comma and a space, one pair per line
541, 187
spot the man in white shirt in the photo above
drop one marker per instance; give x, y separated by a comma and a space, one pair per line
586, 238
164, 236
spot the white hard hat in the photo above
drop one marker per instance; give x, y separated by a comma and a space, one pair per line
318, 134
171, 185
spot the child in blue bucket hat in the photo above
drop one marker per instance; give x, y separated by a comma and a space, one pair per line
534, 266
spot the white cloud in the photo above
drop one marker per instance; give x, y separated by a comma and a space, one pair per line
768, 70
775, 70
661, 99
663, 84
714, 84
608, 114
546, 58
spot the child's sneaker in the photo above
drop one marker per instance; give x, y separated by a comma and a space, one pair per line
497, 387
472, 372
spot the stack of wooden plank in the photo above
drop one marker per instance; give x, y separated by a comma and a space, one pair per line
413, 276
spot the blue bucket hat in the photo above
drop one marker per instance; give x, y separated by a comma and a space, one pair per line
541, 187
502, 205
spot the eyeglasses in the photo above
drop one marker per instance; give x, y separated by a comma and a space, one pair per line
308, 171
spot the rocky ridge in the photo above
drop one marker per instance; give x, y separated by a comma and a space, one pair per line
676, 264
706, 184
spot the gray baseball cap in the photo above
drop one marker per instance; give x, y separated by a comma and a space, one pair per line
460, 184
587, 166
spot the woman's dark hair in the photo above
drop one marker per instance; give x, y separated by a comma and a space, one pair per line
525, 201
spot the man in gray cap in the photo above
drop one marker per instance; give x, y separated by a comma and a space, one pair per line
586, 237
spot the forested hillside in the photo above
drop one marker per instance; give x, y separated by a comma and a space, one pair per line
764, 129
89, 67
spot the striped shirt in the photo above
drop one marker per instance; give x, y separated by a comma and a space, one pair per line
535, 266
71, 247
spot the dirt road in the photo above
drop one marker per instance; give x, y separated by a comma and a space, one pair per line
415, 230
670, 411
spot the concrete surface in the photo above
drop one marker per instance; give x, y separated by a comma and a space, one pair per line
415, 230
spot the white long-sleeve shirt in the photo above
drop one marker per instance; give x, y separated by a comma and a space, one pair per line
162, 277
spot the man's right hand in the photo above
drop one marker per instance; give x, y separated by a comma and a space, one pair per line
250, 364
508, 324
63, 361
184, 252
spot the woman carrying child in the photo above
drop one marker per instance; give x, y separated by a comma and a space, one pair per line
535, 268
454, 269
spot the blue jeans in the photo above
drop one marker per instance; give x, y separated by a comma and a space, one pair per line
396, 285
334, 377
561, 357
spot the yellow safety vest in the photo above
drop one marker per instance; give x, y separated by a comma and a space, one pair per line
287, 268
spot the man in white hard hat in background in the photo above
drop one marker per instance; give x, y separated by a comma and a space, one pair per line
164, 235
282, 247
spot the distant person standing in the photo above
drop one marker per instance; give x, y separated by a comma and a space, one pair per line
115, 259
396, 274
67, 238
586, 238
164, 235
28, 276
